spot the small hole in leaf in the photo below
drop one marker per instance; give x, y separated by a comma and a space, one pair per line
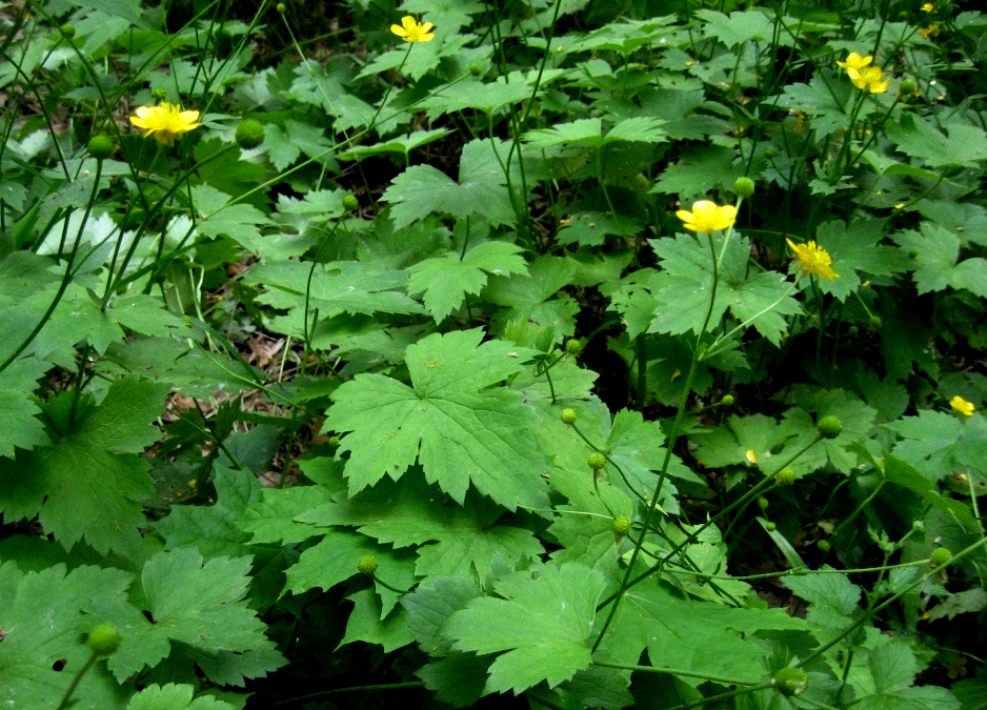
58, 665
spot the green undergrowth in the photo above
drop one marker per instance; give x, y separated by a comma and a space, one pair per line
565, 355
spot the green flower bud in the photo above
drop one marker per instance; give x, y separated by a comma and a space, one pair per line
67, 30
103, 640
791, 681
763, 503
785, 477
100, 147
727, 400
367, 564
918, 525
573, 346
771, 527
159, 94
597, 461
280, 8
333, 441
908, 86
939, 557
829, 427
249, 134
824, 546
621, 526
853, 331
476, 69
743, 187
569, 416
350, 203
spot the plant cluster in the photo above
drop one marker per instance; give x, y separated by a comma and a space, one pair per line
541, 353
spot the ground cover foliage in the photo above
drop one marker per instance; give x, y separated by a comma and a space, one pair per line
521, 354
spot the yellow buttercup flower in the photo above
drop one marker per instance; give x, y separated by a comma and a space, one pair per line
813, 259
962, 406
165, 122
410, 30
871, 79
930, 31
855, 61
928, 7
708, 216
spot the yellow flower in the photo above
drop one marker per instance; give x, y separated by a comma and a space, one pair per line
930, 31
751, 456
872, 79
855, 61
708, 216
928, 7
962, 406
813, 259
410, 30
165, 122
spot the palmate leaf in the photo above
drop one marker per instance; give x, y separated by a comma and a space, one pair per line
174, 697
465, 540
481, 191
454, 420
446, 280
934, 251
21, 427
45, 617
856, 249
203, 605
215, 529
965, 145
336, 287
543, 621
684, 285
701, 637
90, 483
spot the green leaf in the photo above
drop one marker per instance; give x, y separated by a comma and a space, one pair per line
285, 147
834, 602
428, 608
341, 286
543, 621
89, 485
46, 616
914, 136
458, 679
696, 636
238, 221
19, 413
422, 190
174, 697
927, 442
402, 144
485, 96
684, 286
367, 624
214, 529
466, 539
855, 249
700, 170
740, 27
202, 604
935, 250
336, 558
446, 280
454, 420
893, 667
907, 476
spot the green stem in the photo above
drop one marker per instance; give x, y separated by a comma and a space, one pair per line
76, 680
